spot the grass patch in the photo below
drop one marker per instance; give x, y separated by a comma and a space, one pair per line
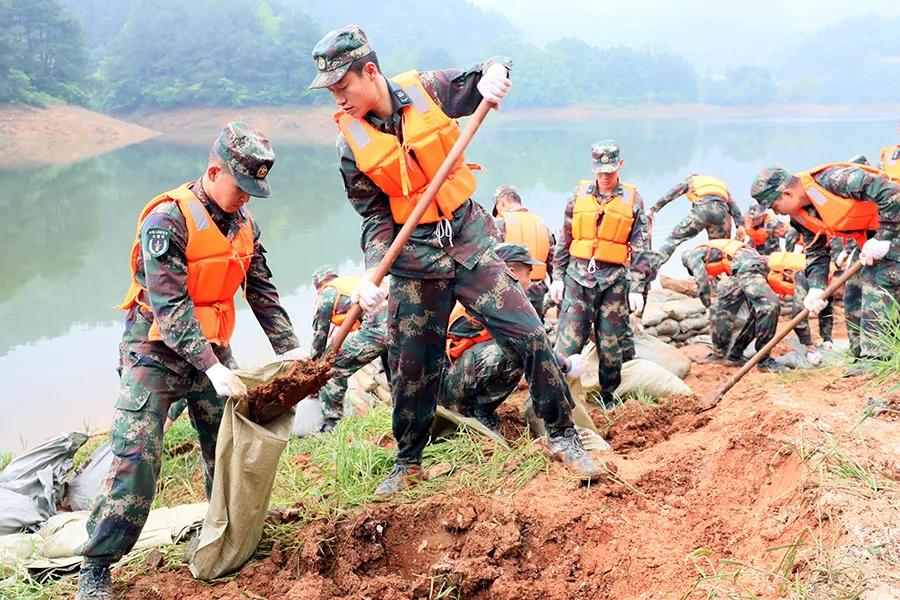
885, 340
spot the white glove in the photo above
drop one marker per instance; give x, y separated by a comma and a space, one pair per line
873, 250
295, 354
577, 365
556, 292
814, 357
225, 381
828, 345
841, 259
368, 295
635, 302
814, 302
494, 84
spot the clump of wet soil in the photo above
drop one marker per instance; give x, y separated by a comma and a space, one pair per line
304, 378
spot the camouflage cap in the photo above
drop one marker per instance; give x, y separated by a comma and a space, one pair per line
755, 211
321, 275
249, 157
859, 159
605, 155
505, 190
334, 53
515, 253
768, 185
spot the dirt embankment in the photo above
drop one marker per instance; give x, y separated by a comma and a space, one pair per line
756, 495
199, 126
60, 135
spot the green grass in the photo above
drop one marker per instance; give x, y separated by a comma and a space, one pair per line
886, 368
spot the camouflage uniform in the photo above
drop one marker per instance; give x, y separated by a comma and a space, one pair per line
537, 291
775, 230
484, 375
708, 212
694, 262
361, 347
880, 283
598, 300
747, 285
154, 374
325, 306
436, 269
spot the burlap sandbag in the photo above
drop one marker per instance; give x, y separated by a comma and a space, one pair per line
247, 456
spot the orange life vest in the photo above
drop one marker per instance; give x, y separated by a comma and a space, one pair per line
757, 235
527, 229
783, 266
890, 160
457, 345
403, 170
600, 229
216, 266
837, 216
344, 285
700, 186
728, 248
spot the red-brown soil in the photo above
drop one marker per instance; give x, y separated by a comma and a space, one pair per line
726, 484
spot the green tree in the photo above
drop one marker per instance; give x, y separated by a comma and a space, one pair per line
41, 52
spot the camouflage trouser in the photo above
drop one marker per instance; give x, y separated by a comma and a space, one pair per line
853, 298
880, 290
418, 311
123, 502
537, 291
359, 349
753, 290
826, 317
480, 379
710, 215
604, 309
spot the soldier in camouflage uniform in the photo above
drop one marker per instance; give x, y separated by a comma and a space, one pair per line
596, 295
484, 375
508, 200
773, 230
776, 188
746, 285
181, 363
708, 213
360, 348
448, 259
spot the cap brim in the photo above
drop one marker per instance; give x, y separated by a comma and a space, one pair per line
325, 78
609, 168
258, 188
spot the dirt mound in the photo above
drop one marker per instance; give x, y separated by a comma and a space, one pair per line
636, 425
61, 135
698, 500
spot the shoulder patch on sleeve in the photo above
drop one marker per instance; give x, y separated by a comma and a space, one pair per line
156, 241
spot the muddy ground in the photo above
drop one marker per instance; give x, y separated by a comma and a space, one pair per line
755, 498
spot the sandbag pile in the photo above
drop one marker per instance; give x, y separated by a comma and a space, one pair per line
675, 318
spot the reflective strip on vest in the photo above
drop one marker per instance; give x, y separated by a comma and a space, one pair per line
360, 135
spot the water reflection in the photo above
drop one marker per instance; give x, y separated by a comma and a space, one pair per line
67, 231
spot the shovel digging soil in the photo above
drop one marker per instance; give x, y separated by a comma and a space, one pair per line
304, 378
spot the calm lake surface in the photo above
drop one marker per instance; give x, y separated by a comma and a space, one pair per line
68, 230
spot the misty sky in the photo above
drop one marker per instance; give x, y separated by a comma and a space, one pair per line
713, 34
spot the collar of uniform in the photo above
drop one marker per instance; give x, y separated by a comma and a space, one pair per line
223, 220
399, 100
596, 191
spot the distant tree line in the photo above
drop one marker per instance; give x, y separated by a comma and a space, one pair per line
125, 55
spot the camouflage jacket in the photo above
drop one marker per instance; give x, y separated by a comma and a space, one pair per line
746, 262
164, 278
682, 188
606, 273
322, 319
547, 260
775, 230
425, 256
853, 182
